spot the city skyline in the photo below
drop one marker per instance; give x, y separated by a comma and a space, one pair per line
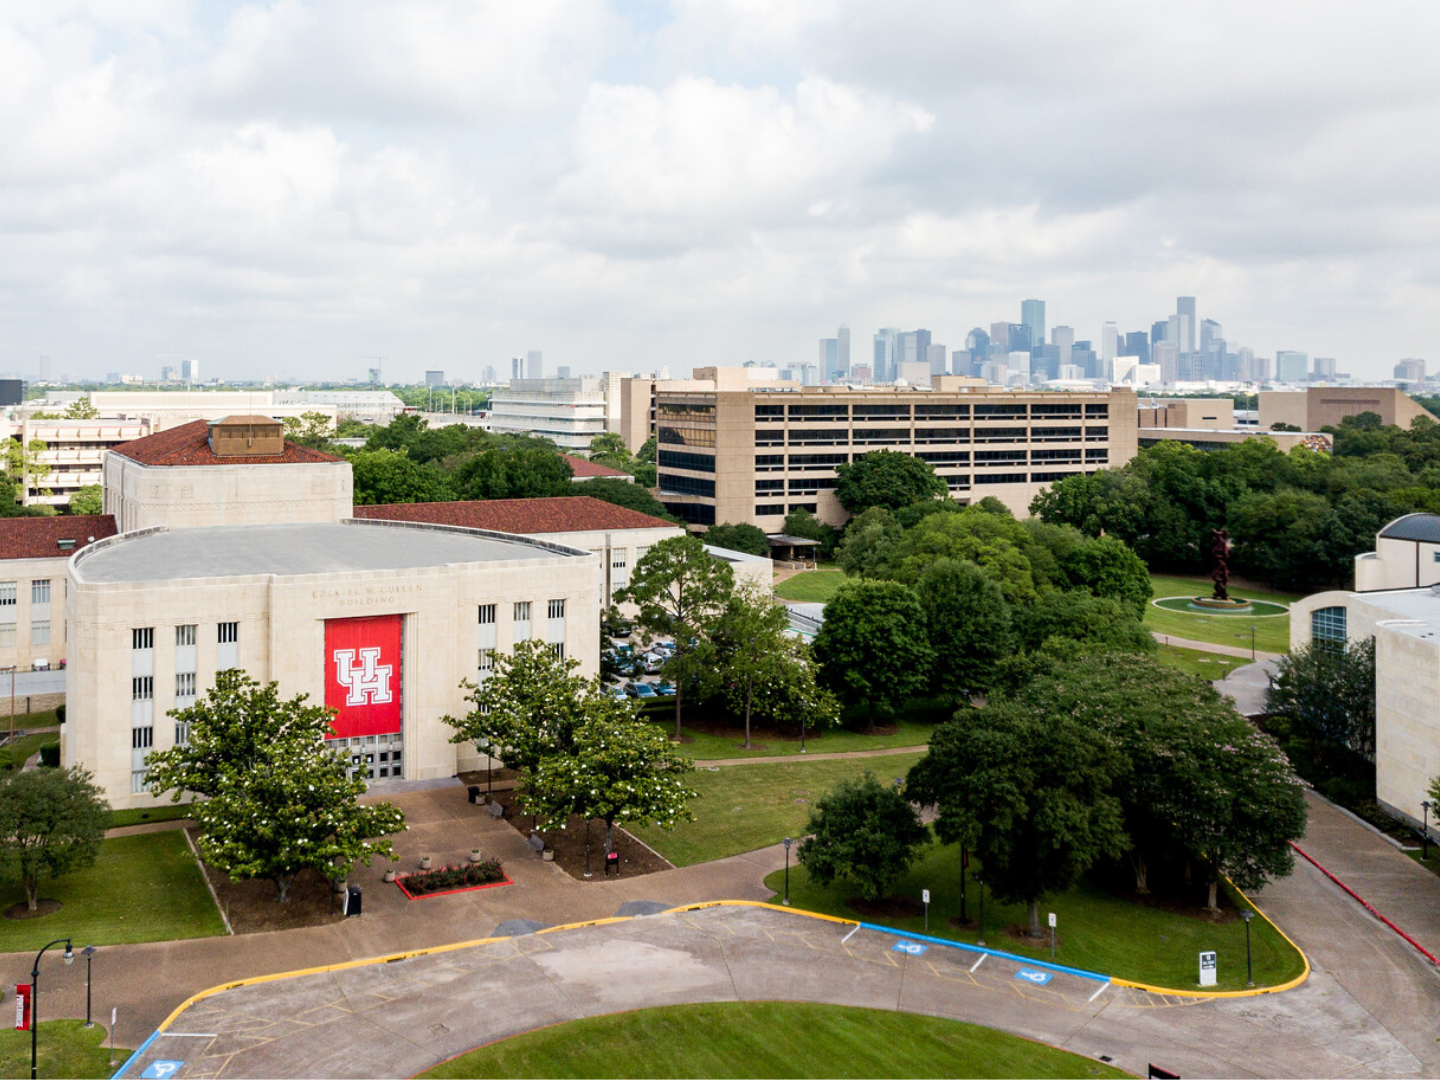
301, 187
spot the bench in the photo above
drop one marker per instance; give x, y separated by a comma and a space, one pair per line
537, 845
495, 809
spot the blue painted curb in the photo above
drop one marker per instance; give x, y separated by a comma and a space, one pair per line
135, 1056
1025, 960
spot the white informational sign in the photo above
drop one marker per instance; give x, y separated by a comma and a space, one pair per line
1052, 920
1207, 969
925, 895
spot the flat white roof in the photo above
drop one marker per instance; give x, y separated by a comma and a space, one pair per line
1413, 611
293, 550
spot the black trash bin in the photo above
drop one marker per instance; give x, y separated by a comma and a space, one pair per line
474, 790
352, 900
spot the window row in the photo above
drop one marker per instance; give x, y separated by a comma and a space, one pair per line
10, 592
674, 459
686, 436
671, 484
226, 633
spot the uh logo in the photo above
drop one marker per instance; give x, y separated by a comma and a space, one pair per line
368, 684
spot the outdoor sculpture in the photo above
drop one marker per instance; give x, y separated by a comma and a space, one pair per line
1220, 548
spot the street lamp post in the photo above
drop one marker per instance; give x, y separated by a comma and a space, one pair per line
788, 842
35, 998
1425, 832
980, 939
1249, 971
89, 953
802, 731
483, 745
964, 865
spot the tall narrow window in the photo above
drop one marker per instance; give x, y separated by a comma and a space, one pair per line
8, 593
185, 635
142, 638
555, 627
184, 686
228, 653
485, 641
39, 631
522, 621
40, 592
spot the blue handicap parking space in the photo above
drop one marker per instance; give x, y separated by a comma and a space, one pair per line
1030, 975
912, 948
161, 1070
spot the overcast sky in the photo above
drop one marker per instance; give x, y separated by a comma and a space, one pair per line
298, 187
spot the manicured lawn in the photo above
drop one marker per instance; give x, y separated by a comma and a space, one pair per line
65, 1049
811, 587
1097, 931
1433, 863
1272, 634
1206, 665
164, 811
709, 746
142, 888
764, 1039
19, 750
744, 807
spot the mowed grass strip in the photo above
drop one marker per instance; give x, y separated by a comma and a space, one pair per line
811, 587
65, 1049
1272, 633
1097, 931
710, 746
141, 888
149, 816
1205, 665
768, 1039
744, 807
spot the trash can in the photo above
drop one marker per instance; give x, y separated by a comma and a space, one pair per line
352, 900
474, 790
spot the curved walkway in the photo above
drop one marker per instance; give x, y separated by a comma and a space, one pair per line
1211, 647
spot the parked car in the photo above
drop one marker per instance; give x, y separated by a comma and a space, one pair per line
665, 689
644, 691
653, 662
41, 665
615, 691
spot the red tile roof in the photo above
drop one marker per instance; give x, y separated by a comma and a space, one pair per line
588, 470
560, 514
189, 444
39, 537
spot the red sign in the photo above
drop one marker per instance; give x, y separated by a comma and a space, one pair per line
22, 1007
362, 675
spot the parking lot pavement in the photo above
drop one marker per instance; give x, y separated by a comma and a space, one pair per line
398, 1018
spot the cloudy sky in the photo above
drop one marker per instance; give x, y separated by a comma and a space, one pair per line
300, 186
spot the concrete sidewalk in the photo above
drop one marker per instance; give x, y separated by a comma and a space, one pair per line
1248, 686
1211, 647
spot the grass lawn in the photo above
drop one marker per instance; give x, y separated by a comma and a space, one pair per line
1272, 634
744, 807
1433, 863
1206, 665
763, 1039
811, 587
143, 816
709, 745
20, 749
1097, 931
65, 1049
142, 888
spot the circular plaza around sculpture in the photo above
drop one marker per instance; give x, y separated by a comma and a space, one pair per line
1259, 609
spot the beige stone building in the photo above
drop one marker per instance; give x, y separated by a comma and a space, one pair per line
155, 614
1397, 602
73, 455
755, 453
34, 555
1210, 424
1317, 407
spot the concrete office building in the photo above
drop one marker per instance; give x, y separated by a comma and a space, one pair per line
73, 455
1396, 601
569, 412
34, 553
1318, 407
1410, 371
534, 364
159, 410
1032, 314
752, 454
1186, 323
1291, 366
1210, 424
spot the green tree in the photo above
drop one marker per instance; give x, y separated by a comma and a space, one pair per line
1027, 791
81, 409
968, 626
868, 546
802, 523
609, 448
619, 769
51, 823
998, 544
385, 476
88, 500
873, 646
25, 466
1329, 687
743, 537
1077, 616
681, 590
515, 472
886, 478
1108, 568
277, 797
632, 496
308, 429
865, 832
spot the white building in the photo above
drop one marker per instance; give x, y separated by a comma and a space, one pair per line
568, 412
73, 455
162, 409
377, 406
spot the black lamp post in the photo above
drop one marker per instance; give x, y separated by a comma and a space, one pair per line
1249, 971
89, 953
35, 998
964, 864
1425, 831
788, 842
980, 939
802, 731
483, 745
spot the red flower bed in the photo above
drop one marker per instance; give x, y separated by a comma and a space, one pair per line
452, 879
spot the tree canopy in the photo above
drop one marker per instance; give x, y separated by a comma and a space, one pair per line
873, 647
1329, 687
863, 831
88, 500
51, 824
888, 479
744, 537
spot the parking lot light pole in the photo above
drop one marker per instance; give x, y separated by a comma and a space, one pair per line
788, 842
980, 939
1425, 831
802, 731
89, 953
1249, 971
35, 998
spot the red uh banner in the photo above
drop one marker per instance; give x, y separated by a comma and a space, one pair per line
362, 675
22, 1007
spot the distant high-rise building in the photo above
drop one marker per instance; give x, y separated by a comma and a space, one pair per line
1185, 305
1158, 330
534, 364
1032, 314
1063, 338
517, 367
168, 373
1410, 371
1180, 331
112, 377
434, 378
1109, 342
1137, 343
1263, 368
842, 350
935, 355
190, 370
374, 374
1245, 364
1084, 357
1000, 336
1290, 365
1044, 362
1323, 367
488, 375
884, 359
1167, 356
44, 369
829, 356
563, 371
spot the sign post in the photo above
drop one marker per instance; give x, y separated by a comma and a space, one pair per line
22, 1007
1207, 969
925, 897
1052, 935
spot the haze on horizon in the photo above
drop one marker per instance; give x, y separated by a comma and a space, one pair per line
300, 186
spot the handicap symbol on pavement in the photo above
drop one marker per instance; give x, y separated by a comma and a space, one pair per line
912, 948
161, 1070
1039, 978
